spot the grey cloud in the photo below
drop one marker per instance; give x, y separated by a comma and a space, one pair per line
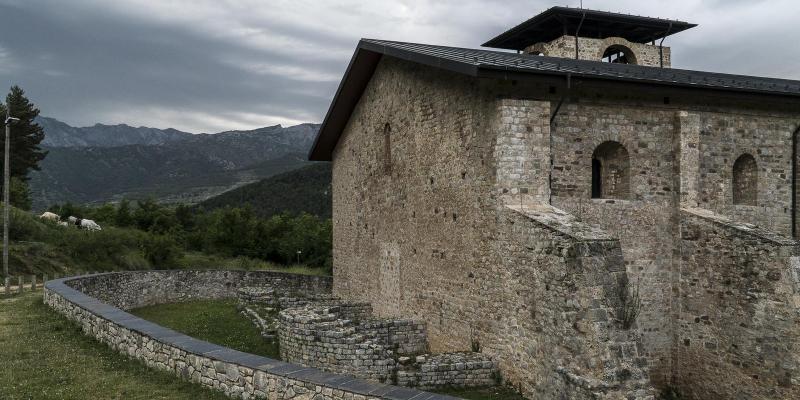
208, 66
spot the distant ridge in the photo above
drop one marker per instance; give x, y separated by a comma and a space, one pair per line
59, 134
106, 163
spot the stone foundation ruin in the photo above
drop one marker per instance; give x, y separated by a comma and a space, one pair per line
345, 337
97, 304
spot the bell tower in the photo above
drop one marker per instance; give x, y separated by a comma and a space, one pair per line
593, 35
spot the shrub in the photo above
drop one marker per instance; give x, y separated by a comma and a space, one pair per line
163, 232
24, 226
161, 251
630, 303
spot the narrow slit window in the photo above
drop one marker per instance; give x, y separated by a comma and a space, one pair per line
387, 148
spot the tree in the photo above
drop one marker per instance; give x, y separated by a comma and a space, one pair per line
26, 135
20, 194
124, 218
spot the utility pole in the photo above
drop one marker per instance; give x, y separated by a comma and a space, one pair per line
6, 189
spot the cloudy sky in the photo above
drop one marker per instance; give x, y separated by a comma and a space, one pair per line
213, 65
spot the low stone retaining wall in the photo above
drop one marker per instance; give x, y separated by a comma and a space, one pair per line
449, 369
127, 290
346, 337
96, 302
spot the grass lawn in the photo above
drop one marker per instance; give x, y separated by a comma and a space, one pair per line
489, 393
215, 321
45, 356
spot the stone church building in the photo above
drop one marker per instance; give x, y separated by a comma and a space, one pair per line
601, 224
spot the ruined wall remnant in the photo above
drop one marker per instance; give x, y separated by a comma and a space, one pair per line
236, 374
739, 299
570, 283
345, 338
326, 332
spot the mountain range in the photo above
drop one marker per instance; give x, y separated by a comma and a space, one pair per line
105, 163
59, 134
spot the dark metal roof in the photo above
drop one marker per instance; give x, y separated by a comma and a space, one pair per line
505, 65
560, 21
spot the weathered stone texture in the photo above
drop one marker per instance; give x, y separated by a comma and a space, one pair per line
436, 232
412, 242
345, 338
459, 157
523, 136
560, 312
644, 221
739, 325
127, 290
768, 138
467, 369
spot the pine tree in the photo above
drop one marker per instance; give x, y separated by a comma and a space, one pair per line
26, 135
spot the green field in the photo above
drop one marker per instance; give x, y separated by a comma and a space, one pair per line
489, 393
215, 321
45, 356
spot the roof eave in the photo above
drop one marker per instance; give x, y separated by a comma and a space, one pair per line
369, 53
510, 73
358, 74
359, 71
504, 39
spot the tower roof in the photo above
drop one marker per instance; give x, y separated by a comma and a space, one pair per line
560, 21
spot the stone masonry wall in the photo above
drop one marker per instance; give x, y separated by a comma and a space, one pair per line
448, 370
321, 336
675, 158
564, 279
344, 337
726, 136
593, 50
413, 241
739, 311
127, 290
645, 222
237, 374
421, 241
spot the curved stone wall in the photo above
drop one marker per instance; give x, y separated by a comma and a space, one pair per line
347, 338
322, 331
97, 303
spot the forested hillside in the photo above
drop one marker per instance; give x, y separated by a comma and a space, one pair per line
305, 190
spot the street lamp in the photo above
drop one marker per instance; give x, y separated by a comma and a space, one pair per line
6, 189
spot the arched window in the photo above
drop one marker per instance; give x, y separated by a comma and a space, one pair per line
387, 148
745, 180
618, 54
611, 171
